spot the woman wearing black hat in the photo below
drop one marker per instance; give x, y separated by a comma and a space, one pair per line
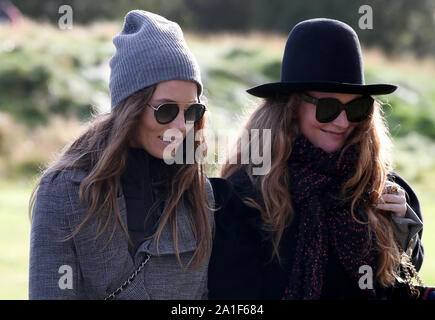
330, 219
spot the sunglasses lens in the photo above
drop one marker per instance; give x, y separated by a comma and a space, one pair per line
327, 109
166, 113
359, 109
194, 113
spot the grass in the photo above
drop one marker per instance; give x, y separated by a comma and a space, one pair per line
14, 240
425, 190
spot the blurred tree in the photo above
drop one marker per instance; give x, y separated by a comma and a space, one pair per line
398, 25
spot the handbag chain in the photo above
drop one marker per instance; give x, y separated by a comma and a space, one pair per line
410, 273
405, 261
129, 280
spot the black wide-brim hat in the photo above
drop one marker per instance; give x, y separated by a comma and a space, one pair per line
322, 55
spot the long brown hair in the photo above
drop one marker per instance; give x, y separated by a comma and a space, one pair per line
374, 163
102, 152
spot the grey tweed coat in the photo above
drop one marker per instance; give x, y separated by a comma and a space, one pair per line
85, 268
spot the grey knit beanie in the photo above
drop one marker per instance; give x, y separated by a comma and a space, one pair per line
149, 49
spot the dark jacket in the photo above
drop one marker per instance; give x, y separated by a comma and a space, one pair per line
241, 266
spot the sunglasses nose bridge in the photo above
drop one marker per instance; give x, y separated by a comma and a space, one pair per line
179, 122
341, 120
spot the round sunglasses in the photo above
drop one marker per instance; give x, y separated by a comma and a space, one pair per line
167, 112
328, 109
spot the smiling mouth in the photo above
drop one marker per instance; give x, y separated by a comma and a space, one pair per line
166, 141
338, 134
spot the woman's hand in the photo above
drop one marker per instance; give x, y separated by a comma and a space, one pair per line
393, 199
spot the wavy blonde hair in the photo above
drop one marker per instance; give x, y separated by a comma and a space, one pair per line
102, 152
374, 163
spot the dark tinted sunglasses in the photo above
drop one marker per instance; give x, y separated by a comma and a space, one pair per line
328, 109
167, 112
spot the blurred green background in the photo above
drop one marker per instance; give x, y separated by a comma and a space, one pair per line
53, 81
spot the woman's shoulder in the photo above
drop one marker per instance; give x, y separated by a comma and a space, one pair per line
230, 194
208, 187
57, 197
222, 190
64, 176
61, 186
242, 183
231, 191
238, 183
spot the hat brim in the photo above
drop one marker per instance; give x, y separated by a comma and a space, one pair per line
277, 88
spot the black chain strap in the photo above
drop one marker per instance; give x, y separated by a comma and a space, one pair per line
129, 280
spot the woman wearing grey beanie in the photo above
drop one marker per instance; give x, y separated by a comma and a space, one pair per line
110, 218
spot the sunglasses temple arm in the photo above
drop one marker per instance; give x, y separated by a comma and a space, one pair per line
308, 98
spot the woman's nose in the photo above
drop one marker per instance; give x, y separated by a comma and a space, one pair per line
341, 121
179, 123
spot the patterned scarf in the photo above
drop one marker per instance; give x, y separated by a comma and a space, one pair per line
322, 221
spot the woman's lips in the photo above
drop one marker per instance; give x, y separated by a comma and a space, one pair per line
334, 133
167, 142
